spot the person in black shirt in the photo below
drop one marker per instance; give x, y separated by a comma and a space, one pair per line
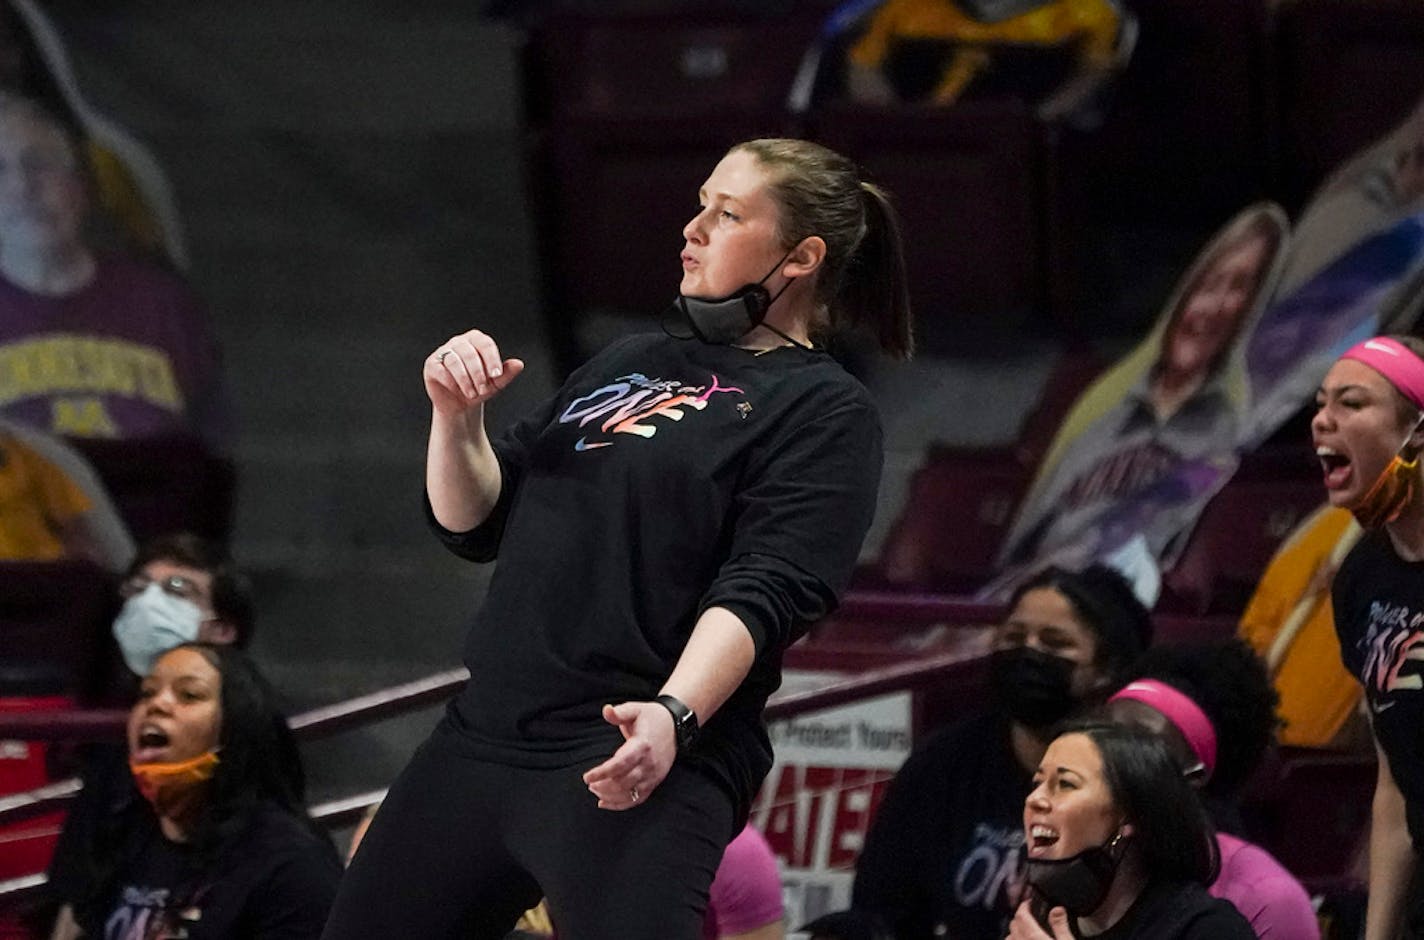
1367, 435
944, 854
214, 842
1118, 847
666, 525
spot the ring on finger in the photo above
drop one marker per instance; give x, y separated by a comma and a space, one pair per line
633, 794
440, 356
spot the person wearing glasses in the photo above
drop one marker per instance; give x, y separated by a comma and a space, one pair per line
180, 588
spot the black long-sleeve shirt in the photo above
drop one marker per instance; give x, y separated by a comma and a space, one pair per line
665, 477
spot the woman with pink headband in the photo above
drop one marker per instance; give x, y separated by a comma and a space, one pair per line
1367, 435
1212, 704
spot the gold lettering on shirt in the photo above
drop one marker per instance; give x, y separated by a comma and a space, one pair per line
81, 417
62, 364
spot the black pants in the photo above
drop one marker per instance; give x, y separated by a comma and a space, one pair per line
460, 848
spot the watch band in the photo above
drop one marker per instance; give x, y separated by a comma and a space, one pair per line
684, 721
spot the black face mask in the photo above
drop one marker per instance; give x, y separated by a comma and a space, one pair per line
724, 321
1032, 688
1079, 884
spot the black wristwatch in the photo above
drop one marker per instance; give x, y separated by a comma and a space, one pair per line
684, 721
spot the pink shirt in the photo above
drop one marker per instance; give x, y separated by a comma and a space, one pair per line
746, 892
1264, 892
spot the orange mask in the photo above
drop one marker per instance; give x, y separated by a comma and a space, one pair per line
172, 786
1396, 487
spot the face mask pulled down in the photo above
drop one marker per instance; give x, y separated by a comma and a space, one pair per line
723, 321
151, 623
173, 787
1394, 489
1079, 884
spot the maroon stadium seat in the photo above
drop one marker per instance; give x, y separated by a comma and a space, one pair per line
54, 620
162, 485
1240, 530
1347, 73
970, 188
958, 509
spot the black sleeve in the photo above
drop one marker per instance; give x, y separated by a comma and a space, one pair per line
799, 522
1221, 922
106, 779
511, 450
1349, 583
1340, 588
293, 902
890, 866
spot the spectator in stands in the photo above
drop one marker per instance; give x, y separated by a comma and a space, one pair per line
1291, 625
1055, 54
680, 511
1118, 845
1146, 445
1213, 706
1367, 434
179, 589
944, 852
745, 901
52, 505
214, 840
132, 193
91, 345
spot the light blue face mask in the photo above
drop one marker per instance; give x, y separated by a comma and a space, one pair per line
152, 623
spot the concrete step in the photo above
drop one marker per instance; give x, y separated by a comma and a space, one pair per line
300, 66
407, 610
323, 500
435, 185
411, 289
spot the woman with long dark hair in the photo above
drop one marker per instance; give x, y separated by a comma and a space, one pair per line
1118, 845
214, 841
944, 855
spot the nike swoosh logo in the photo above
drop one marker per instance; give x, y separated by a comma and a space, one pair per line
583, 445
1377, 708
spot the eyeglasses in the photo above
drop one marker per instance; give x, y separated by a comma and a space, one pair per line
174, 585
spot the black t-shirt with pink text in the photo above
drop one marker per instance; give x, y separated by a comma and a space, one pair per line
1379, 617
665, 477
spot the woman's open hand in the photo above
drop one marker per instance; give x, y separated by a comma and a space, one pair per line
641, 762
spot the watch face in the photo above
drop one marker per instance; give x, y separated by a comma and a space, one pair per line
684, 720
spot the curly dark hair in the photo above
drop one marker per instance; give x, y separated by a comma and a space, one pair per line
1104, 601
1230, 683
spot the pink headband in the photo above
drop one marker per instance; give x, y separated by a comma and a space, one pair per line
1394, 361
1181, 711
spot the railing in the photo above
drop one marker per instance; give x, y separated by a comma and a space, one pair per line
108, 724
412, 696
864, 607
